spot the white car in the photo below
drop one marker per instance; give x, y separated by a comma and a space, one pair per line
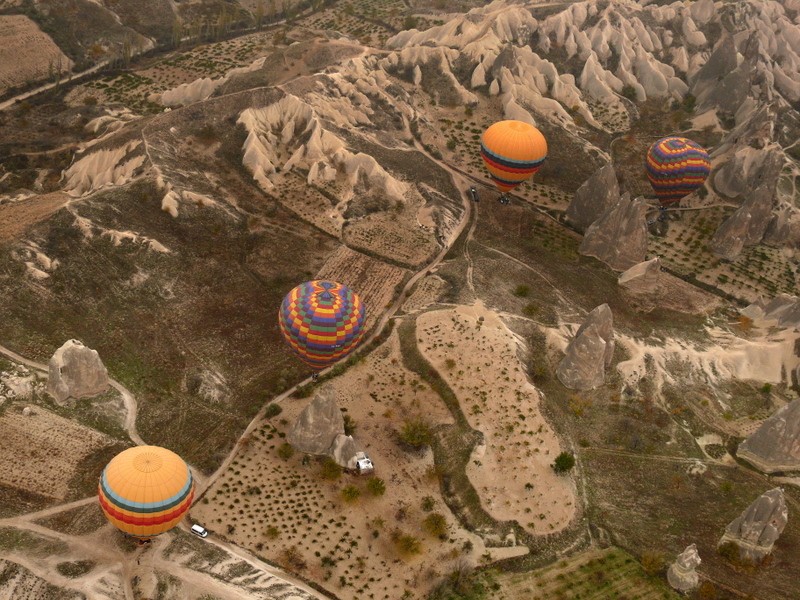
199, 530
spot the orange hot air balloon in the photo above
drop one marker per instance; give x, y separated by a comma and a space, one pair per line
513, 151
146, 490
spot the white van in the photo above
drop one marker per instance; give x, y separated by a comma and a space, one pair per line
199, 530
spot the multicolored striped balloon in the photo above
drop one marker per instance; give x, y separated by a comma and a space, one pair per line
676, 167
513, 151
146, 490
322, 321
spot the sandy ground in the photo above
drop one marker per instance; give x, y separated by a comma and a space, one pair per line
17, 217
477, 355
348, 547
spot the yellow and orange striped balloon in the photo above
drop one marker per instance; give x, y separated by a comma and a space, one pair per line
513, 151
146, 490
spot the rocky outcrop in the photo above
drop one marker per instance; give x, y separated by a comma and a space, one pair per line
782, 311
746, 226
344, 450
619, 237
784, 227
682, 574
590, 352
76, 371
719, 83
642, 278
748, 170
598, 194
318, 425
757, 529
775, 446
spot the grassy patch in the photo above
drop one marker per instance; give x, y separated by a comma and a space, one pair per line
77, 521
610, 574
18, 540
74, 569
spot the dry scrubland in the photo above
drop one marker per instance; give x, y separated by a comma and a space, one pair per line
27, 54
354, 543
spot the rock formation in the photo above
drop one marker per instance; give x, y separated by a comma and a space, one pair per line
590, 352
318, 425
782, 311
642, 277
757, 529
76, 371
344, 450
746, 226
598, 194
775, 446
682, 575
748, 171
784, 228
619, 237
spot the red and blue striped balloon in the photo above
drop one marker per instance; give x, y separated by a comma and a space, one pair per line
322, 321
676, 167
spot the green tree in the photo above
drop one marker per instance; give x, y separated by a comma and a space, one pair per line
285, 451
564, 462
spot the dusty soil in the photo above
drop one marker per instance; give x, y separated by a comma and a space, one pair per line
477, 355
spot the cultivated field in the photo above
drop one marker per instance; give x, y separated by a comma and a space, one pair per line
375, 282
40, 452
27, 54
610, 574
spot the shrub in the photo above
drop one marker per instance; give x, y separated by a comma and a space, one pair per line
629, 92
451, 144
416, 433
522, 291
349, 424
330, 469
376, 486
564, 462
428, 503
407, 545
351, 493
273, 410
436, 525
272, 532
285, 451
652, 562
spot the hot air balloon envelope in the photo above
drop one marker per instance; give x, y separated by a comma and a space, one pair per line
146, 490
676, 167
322, 321
513, 151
